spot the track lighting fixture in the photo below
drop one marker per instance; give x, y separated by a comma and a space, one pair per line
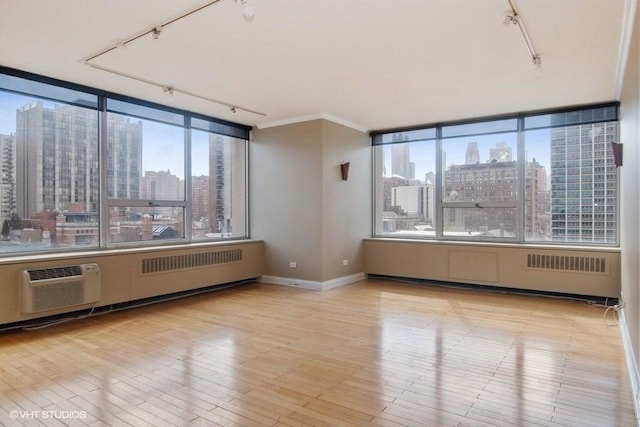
516, 19
156, 32
247, 10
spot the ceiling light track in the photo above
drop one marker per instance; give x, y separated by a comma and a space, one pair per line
516, 19
155, 32
171, 90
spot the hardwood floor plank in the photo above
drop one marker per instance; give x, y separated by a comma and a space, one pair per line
371, 353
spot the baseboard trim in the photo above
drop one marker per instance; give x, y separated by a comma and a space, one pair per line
312, 285
632, 366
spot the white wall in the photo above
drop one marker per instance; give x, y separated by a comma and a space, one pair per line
630, 204
301, 207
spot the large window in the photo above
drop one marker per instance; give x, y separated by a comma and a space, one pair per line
82, 169
546, 178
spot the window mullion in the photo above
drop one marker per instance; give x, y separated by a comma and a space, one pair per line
102, 185
439, 183
521, 183
188, 220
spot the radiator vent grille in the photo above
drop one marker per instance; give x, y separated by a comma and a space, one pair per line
63, 294
55, 273
194, 260
584, 264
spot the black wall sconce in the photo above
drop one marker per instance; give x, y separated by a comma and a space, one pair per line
616, 147
344, 170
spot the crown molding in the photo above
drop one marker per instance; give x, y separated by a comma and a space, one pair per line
628, 21
310, 117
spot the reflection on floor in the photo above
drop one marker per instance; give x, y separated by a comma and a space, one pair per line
371, 353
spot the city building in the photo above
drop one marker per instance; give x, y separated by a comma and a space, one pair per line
537, 203
226, 212
500, 153
401, 164
7, 177
161, 185
200, 198
57, 157
472, 155
583, 183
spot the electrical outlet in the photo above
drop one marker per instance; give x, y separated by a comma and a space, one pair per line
293, 264
345, 262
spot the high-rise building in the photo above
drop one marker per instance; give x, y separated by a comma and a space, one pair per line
124, 157
401, 165
583, 183
200, 198
161, 185
537, 208
7, 177
56, 158
226, 179
501, 153
481, 182
473, 154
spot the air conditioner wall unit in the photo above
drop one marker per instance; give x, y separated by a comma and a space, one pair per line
59, 287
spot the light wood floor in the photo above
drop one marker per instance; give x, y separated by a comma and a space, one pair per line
371, 353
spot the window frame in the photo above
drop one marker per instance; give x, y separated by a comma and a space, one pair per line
600, 113
56, 90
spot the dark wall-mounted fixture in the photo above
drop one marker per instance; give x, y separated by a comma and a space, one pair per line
344, 170
616, 147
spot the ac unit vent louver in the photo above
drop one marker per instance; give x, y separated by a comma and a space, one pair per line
586, 264
54, 273
193, 260
59, 287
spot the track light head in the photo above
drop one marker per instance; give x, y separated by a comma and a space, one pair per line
510, 19
168, 91
247, 10
156, 32
537, 61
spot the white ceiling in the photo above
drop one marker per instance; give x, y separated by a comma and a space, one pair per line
373, 64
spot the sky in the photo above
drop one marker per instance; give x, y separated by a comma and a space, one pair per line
423, 153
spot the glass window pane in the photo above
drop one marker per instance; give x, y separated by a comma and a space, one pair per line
480, 168
43, 90
49, 175
405, 136
218, 186
145, 159
145, 112
405, 185
138, 224
586, 116
578, 204
221, 128
490, 223
480, 128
